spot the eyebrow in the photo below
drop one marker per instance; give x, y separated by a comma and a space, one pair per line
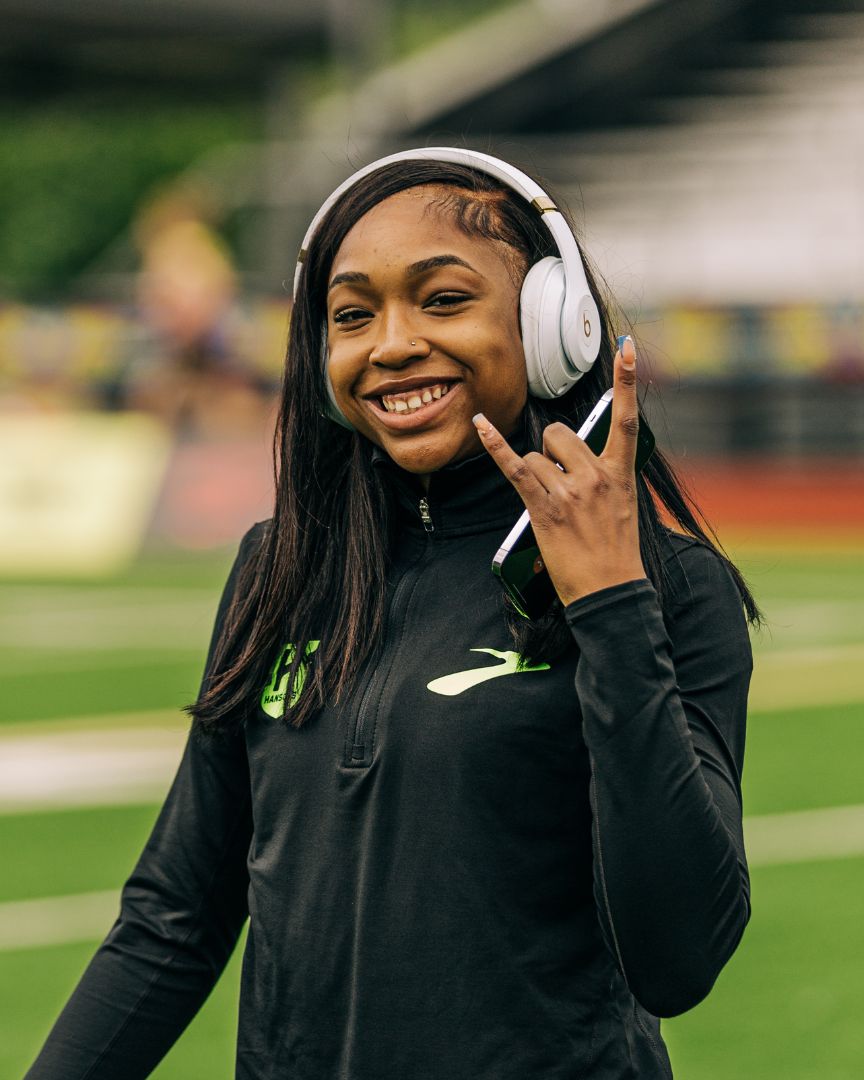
350, 277
356, 277
437, 260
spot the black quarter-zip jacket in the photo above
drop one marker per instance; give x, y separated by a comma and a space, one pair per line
464, 871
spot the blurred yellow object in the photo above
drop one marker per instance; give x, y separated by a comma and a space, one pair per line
693, 341
803, 336
77, 491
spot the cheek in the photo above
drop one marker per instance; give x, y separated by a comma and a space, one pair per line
338, 369
510, 331
343, 371
517, 386
506, 385
513, 370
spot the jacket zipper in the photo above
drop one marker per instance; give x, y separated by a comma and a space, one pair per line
358, 748
426, 516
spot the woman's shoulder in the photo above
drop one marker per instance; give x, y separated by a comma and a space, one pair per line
258, 530
696, 571
250, 546
253, 537
681, 547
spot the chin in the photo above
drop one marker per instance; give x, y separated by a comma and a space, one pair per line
423, 460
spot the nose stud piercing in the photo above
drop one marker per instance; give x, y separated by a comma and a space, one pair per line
413, 342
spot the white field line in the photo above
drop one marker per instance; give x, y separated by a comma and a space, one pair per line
63, 618
34, 663
811, 676
141, 626
806, 621
101, 767
57, 920
834, 832
811, 654
771, 839
91, 723
44, 599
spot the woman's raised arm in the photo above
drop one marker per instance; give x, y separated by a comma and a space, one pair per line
664, 717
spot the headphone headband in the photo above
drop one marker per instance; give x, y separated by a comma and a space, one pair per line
509, 175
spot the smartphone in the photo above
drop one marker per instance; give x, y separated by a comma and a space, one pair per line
518, 563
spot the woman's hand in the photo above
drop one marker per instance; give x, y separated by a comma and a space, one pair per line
584, 517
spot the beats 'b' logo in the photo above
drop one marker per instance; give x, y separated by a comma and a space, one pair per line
586, 326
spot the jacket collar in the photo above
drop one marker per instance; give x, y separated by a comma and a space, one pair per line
468, 496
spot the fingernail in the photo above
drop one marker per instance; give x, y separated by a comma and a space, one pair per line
628, 362
481, 423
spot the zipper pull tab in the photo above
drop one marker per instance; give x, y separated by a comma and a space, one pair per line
425, 516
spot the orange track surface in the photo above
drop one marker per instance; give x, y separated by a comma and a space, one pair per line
819, 497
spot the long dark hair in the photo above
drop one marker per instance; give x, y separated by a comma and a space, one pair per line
318, 569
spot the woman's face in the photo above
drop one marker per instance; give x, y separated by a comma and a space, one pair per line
423, 332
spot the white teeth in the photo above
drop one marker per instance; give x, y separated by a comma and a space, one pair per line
413, 402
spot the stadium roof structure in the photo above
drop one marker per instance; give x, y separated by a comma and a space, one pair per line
538, 66
166, 16
167, 40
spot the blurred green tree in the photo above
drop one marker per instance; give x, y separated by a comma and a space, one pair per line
71, 177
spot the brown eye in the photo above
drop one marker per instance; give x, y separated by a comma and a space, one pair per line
447, 299
348, 315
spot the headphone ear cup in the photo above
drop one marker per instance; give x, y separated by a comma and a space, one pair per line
332, 412
540, 310
580, 332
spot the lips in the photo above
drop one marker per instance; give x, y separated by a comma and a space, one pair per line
406, 397
404, 405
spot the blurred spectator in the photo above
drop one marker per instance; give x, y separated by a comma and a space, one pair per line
36, 365
186, 364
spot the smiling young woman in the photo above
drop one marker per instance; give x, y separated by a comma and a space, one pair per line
469, 846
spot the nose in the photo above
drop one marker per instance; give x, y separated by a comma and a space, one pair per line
397, 342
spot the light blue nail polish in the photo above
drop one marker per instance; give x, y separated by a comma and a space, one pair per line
621, 341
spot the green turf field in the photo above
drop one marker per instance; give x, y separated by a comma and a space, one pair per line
78, 658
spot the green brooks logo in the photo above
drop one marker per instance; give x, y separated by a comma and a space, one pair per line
273, 697
460, 681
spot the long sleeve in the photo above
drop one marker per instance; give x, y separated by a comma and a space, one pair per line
182, 910
664, 709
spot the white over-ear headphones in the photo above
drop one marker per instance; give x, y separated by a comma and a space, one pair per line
559, 318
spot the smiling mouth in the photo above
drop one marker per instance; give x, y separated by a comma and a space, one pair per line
412, 401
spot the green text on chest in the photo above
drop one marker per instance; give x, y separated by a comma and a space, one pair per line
273, 697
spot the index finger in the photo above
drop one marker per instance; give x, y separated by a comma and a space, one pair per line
515, 468
624, 428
